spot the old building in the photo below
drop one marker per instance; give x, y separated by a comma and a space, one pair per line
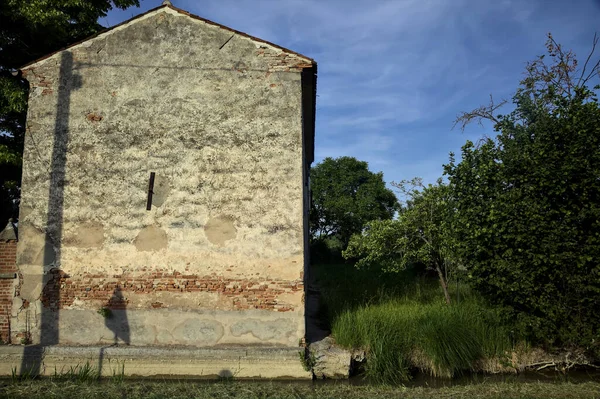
164, 193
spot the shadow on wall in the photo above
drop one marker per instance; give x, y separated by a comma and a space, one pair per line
49, 334
115, 319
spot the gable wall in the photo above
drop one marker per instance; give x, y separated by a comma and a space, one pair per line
219, 257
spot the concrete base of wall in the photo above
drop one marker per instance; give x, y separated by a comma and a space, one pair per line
236, 362
168, 327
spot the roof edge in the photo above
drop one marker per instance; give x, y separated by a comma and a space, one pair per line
95, 35
193, 16
179, 11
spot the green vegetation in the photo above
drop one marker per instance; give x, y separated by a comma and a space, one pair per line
50, 388
420, 235
345, 196
405, 324
518, 222
404, 334
527, 214
85, 373
105, 312
416, 325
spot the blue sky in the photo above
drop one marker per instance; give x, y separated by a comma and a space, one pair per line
393, 74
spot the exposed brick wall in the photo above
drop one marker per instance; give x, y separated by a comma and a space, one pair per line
8, 257
62, 290
282, 62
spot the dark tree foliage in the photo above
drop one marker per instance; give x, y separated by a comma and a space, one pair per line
30, 29
528, 204
421, 235
345, 196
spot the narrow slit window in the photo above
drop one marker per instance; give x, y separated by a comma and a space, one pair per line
150, 191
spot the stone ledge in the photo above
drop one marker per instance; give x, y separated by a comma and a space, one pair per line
236, 362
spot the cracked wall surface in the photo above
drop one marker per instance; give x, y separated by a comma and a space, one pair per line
219, 257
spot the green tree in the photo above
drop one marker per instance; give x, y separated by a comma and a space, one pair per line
421, 234
28, 30
528, 202
345, 196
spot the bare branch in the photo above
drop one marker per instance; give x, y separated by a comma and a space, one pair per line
546, 79
583, 80
407, 188
545, 366
595, 71
484, 112
555, 52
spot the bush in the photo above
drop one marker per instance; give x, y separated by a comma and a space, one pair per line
527, 206
326, 250
342, 286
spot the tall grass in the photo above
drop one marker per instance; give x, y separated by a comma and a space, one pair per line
404, 324
443, 340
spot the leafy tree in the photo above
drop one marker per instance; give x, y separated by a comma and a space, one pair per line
528, 202
28, 30
421, 234
345, 196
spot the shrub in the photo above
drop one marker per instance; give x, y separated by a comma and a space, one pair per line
527, 205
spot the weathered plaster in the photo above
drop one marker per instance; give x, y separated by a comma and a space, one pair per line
217, 118
151, 238
220, 229
86, 235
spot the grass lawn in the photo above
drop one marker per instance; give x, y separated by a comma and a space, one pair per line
42, 389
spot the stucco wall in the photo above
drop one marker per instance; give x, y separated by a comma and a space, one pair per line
219, 257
